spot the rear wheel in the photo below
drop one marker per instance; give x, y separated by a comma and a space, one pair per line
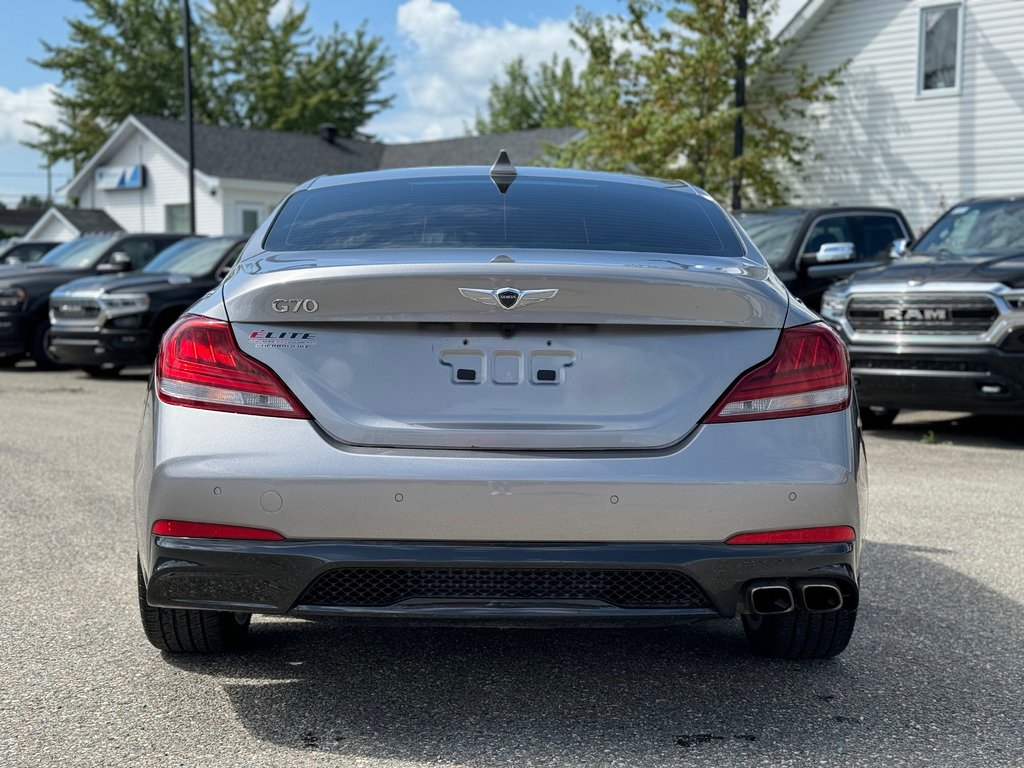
878, 418
800, 634
102, 371
178, 630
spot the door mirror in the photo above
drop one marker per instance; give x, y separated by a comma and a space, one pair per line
830, 253
899, 248
119, 262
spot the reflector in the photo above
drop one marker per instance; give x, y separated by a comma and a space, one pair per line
184, 528
829, 534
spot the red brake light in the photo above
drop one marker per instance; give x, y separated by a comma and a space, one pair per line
828, 534
213, 531
200, 366
809, 373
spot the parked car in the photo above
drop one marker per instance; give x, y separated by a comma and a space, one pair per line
25, 289
942, 328
25, 252
102, 324
510, 396
810, 248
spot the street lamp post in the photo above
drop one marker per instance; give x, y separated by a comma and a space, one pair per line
188, 118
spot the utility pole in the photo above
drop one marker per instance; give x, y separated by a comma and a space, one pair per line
188, 119
741, 101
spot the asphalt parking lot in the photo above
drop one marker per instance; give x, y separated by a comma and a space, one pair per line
933, 677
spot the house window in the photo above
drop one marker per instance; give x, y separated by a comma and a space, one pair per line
176, 218
251, 216
939, 49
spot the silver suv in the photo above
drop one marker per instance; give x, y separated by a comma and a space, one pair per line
501, 396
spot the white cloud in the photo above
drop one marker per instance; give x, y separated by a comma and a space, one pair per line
448, 63
280, 10
32, 103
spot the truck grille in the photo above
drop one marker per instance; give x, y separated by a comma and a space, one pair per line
381, 586
75, 309
937, 313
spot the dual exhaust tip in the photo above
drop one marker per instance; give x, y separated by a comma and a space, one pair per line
774, 598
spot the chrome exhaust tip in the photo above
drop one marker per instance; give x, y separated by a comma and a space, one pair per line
768, 599
820, 597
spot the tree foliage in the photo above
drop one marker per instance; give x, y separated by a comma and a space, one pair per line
125, 57
656, 96
551, 97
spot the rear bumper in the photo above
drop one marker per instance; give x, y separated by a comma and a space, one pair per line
274, 577
92, 347
981, 379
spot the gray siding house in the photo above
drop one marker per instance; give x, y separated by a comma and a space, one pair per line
931, 107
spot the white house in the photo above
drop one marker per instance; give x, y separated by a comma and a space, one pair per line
139, 176
60, 224
932, 104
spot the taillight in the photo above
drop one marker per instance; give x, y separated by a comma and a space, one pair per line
200, 366
826, 534
809, 373
184, 528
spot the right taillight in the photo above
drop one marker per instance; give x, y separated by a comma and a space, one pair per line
201, 366
808, 374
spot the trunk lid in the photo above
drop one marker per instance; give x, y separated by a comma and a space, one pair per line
397, 349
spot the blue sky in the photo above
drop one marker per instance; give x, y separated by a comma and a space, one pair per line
447, 52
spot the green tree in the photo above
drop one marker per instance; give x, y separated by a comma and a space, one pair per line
279, 76
551, 97
124, 57
661, 99
32, 202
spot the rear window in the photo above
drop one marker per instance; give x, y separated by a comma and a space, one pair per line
470, 212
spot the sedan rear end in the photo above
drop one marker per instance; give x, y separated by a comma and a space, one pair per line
510, 397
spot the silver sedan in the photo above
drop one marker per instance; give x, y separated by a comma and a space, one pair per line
501, 396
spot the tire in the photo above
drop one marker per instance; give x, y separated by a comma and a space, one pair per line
800, 634
178, 630
40, 348
878, 418
102, 372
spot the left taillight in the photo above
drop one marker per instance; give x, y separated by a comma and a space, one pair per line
201, 366
808, 374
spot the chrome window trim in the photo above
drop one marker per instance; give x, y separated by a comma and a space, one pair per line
814, 222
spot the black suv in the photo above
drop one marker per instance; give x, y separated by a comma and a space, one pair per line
102, 324
943, 326
25, 289
810, 248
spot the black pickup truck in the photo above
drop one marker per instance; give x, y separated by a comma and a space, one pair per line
810, 248
942, 327
102, 324
25, 288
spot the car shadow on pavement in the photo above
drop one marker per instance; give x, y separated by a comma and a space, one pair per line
933, 675
958, 429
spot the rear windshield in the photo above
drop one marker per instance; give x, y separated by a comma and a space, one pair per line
470, 212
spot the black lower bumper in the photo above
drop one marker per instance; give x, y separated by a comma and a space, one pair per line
279, 577
15, 334
980, 380
134, 347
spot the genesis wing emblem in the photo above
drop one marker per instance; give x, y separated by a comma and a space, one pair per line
508, 298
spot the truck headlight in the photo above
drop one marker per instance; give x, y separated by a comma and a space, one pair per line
12, 299
833, 304
124, 304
